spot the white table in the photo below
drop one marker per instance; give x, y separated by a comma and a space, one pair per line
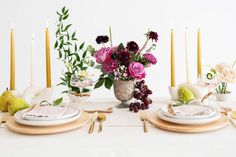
122, 136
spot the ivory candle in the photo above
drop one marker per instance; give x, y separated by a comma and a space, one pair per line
172, 59
199, 59
186, 57
31, 60
12, 60
48, 63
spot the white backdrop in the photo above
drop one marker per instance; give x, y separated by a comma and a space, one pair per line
129, 19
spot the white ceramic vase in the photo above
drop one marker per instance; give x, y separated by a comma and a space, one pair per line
223, 97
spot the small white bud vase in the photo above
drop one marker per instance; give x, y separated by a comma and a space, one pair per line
124, 91
223, 97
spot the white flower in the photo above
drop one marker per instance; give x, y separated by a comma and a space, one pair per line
229, 75
83, 73
220, 67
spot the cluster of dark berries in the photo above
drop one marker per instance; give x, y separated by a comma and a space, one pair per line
141, 94
102, 39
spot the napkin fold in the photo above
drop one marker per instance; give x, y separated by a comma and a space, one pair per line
192, 110
45, 113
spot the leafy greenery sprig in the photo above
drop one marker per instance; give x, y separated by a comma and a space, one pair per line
72, 53
54, 103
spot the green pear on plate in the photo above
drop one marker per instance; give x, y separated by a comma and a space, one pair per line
186, 95
16, 105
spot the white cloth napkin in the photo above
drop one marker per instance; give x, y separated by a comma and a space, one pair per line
192, 111
45, 113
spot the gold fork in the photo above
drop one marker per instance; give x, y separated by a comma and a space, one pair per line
144, 119
93, 120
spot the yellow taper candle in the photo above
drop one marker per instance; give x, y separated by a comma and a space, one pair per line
199, 59
12, 61
186, 57
48, 64
172, 60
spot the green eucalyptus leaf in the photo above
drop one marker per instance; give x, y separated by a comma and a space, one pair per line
77, 57
63, 9
73, 35
76, 47
57, 101
99, 83
66, 12
81, 46
60, 18
64, 80
60, 54
108, 82
65, 17
67, 27
84, 54
58, 13
56, 44
62, 84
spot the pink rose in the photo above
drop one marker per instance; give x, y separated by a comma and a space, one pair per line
136, 70
150, 58
102, 55
110, 65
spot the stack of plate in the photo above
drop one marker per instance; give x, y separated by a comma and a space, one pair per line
47, 115
189, 114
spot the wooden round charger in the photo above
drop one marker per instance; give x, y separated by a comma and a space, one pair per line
157, 122
33, 130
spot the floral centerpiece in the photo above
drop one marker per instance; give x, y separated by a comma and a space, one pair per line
121, 65
221, 75
75, 57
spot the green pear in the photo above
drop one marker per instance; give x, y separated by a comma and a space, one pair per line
17, 104
5, 100
1, 102
186, 95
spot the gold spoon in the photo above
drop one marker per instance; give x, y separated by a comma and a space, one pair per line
101, 118
144, 119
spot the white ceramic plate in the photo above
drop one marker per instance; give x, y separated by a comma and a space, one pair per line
215, 117
67, 112
190, 112
19, 119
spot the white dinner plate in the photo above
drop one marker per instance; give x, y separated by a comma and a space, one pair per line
213, 118
56, 112
19, 119
190, 111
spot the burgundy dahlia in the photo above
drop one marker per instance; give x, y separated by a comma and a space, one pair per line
102, 39
110, 65
150, 58
153, 35
132, 46
123, 56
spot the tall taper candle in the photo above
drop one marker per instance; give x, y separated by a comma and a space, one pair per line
186, 57
48, 63
31, 60
12, 60
199, 59
172, 60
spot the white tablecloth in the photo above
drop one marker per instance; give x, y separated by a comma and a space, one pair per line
122, 136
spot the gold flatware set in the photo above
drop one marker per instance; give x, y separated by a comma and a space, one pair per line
97, 117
